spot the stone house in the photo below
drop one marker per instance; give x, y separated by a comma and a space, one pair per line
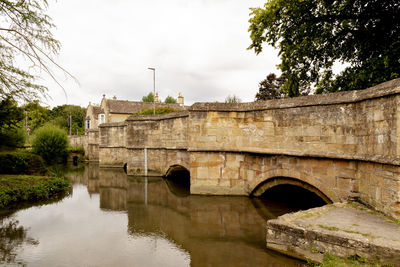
114, 110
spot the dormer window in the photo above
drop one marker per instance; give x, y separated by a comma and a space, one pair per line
102, 118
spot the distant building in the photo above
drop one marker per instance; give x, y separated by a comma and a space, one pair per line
113, 110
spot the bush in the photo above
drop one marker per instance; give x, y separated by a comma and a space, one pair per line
15, 189
159, 110
21, 163
51, 143
79, 150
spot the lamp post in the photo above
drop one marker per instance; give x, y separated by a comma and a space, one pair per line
154, 90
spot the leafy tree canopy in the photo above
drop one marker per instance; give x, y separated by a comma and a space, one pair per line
60, 115
312, 35
10, 113
37, 114
272, 88
25, 32
11, 117
148, 98
232, 99
170, 100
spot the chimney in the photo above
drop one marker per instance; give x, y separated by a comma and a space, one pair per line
104, 95
115, 98
156, 98
180, 100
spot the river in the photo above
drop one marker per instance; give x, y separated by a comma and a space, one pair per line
111, 219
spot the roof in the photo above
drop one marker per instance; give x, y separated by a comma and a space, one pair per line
97, 110
131, 107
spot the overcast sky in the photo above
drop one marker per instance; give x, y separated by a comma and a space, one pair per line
198, 47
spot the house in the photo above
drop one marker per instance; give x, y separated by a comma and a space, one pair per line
114, 110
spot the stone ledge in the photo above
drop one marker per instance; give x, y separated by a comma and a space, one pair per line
112, 124
341, 229
266, 152
167, 116
155, 148
382, 90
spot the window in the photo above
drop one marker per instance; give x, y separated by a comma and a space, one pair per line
102, 118
87, 124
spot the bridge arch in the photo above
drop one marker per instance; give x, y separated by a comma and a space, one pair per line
279, 180
176, 168
177, 179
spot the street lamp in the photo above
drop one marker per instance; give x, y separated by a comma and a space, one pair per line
154, 90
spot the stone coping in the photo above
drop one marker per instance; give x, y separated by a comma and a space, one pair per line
93, 130
338, 156
155, 148
381, 90
112, 124
172, 115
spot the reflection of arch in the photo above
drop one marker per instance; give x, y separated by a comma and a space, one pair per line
126, 168
274, 181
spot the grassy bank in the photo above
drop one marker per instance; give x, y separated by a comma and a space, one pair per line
22, 188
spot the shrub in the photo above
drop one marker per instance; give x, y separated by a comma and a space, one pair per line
15, 189
21, 163
51, 143
159, 110
79, 150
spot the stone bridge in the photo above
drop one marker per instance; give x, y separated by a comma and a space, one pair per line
342, 146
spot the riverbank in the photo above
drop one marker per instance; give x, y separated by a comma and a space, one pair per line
345, 230
15, 189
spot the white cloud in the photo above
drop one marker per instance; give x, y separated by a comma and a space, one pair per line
198, 47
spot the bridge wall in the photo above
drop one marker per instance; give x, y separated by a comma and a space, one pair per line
346, 145
164, 137
112, 144
359, 125
93, 145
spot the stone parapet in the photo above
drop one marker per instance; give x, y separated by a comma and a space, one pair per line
381, 90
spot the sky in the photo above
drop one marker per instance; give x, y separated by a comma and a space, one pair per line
198, 48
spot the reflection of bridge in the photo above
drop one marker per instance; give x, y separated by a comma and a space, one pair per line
341, 146
216, 231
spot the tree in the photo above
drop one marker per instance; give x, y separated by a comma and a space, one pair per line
170, 100
148, 98
60, 114
37, 115
10, 113
232, 99
11, 135
312, 35
271, 88
25, 32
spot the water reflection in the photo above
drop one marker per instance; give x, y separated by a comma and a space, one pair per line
112, 219
12, 237
217, 231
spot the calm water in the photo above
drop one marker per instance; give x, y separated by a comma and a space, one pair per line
114, 220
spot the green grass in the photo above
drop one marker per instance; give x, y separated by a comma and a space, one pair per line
15, 189
353, 261
330, 228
